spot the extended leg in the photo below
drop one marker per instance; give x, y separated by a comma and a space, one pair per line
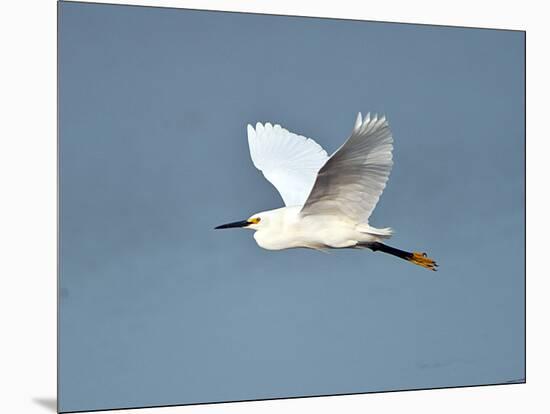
417, 258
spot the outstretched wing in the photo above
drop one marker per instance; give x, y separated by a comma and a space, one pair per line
352, 180
288, 161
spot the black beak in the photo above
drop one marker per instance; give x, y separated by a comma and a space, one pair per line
235, 224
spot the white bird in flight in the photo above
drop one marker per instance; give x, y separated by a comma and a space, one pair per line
328, 200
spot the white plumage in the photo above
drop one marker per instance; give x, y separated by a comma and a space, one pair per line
288, 161
328, 200
352, 180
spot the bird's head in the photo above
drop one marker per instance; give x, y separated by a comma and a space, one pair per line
252, 223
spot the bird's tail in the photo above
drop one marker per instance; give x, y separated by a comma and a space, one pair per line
384, 233
420, 259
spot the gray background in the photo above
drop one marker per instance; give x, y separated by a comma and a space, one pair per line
158, 308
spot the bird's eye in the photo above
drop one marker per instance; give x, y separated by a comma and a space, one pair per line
256, 220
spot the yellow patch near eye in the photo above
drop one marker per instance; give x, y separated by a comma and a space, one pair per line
254, 220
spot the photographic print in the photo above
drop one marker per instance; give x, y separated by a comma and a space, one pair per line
262, 206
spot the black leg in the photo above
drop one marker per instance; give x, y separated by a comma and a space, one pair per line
414, 257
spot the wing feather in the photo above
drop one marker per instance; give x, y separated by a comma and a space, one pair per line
288, 161
352, 180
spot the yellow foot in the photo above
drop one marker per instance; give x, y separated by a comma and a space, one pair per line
421, 259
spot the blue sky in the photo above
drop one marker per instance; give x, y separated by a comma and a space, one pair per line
158, 308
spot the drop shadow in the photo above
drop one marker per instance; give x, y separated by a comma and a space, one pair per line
49, 403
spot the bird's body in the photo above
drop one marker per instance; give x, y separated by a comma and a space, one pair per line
328, 199
286, 228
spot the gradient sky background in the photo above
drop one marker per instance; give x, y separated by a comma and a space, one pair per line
158, 308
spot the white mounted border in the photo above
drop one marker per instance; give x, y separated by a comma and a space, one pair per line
465, 13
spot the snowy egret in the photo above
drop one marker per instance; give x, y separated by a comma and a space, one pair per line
328, 200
